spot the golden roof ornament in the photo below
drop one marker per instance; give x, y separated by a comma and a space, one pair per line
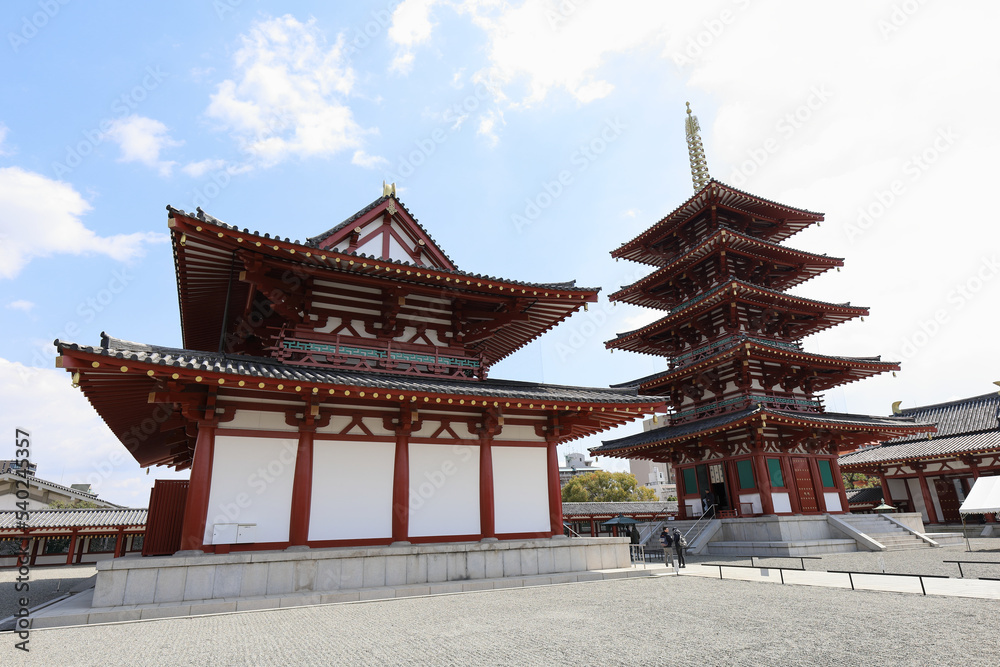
388, 189
696, 152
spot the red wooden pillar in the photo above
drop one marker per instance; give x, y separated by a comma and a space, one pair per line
298, 532
763, 483
733, 481
793, 491
487, 512
593, 530
926, 493
34, 550
401, 488
120, 543
681, 506
79, 549
886, 496
555, 491
817, 482
72, 547
196, 506
838, 479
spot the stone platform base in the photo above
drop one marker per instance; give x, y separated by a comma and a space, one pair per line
126, 582
79, 609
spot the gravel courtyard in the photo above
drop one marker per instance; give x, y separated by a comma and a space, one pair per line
679, 620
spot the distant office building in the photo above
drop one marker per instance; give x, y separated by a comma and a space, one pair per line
576, 464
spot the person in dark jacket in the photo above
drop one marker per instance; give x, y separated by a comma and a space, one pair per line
633, 535
666, 542
679, 544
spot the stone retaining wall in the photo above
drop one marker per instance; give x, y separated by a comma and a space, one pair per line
135, 581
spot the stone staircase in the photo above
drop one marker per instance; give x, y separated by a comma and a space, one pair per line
883, 531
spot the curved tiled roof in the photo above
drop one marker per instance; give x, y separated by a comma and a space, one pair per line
965, 426
913, 450
679, 431
614, 509
82, 518
968, 415
262, 367
309, 243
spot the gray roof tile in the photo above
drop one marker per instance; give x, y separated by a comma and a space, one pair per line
260, 367
85, 518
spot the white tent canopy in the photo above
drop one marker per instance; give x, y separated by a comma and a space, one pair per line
984, 498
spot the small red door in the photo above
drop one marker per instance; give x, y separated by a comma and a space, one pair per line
948, 498
804, 484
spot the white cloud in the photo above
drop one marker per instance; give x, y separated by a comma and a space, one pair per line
411, 26
70, 444
42, 217
200, 168
21, 304
367, 161
3, 137
141, 139
287, 97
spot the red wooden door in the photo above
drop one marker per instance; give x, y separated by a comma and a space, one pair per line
804, 484
948, 498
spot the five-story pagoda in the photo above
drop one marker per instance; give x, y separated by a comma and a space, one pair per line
747, 424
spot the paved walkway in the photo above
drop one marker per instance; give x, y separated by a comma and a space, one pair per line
641, 621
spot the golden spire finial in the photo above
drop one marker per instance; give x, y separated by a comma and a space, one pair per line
388, 189
696, 152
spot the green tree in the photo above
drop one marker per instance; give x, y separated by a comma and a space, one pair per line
75, 505
857, 480
605, 487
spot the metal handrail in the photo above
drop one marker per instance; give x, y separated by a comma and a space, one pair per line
703, 515
569, 528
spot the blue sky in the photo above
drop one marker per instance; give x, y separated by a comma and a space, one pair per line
287, 117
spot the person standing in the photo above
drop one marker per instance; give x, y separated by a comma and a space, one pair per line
679, 544
666, 541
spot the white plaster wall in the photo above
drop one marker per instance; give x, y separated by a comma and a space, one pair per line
520, 432
753, 499
918, 498
897, 489
351, 490
781, 502
9, 501
444, 490
252, 483
396, 251
260, 420
832, 501
520, 490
